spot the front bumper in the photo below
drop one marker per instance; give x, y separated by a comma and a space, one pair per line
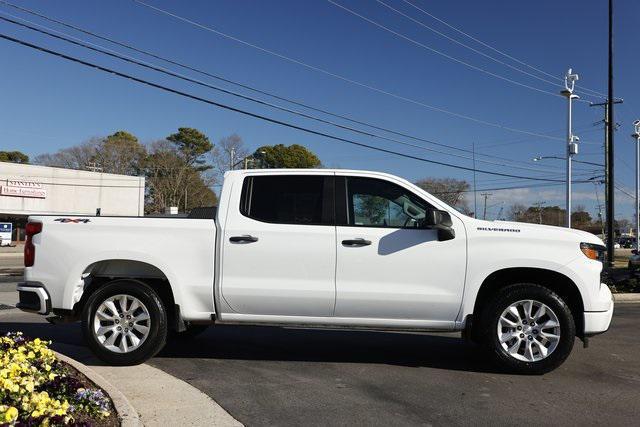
597, 322
33, 297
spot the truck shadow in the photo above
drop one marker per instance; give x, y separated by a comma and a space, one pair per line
266, 343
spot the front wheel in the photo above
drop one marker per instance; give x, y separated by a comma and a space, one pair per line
528, 329
124, 322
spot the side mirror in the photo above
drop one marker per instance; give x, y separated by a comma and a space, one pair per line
439, 220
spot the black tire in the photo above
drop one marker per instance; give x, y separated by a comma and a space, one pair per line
157, 335
190, 333
527, 291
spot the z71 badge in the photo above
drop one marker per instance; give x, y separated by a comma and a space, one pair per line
73, 220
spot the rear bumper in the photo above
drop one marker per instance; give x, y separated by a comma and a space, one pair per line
597, 322
33, 297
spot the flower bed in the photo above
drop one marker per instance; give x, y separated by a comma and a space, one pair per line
38, 389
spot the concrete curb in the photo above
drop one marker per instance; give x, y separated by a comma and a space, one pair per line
126, 412
626, 297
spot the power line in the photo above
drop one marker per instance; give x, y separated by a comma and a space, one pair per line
147, 65
217, 77
584, 89
255, 115
340, 77
623, 191
506, 64
528, 139
452, 58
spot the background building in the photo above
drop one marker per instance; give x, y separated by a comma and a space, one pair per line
30, 190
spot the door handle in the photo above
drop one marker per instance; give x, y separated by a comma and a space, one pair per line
356, 243
243, 239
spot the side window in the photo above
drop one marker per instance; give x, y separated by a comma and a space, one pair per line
289, 199
378, 203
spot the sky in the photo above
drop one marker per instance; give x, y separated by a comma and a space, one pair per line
348, 65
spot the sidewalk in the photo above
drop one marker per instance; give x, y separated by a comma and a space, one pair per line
159, 398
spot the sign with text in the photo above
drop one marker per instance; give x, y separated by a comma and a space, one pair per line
5, 233
22, 188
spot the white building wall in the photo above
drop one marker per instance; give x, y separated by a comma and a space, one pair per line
71, 191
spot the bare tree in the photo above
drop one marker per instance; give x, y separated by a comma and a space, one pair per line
76, 157
228, 150
450, 190
517, 212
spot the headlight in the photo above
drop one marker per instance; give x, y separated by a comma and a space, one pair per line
593, 251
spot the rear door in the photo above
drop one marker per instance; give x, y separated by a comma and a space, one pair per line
388, 267
279, 246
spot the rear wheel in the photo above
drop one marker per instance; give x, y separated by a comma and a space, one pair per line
124, 322
528, 329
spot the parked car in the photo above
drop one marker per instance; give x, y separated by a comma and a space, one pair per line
634, 262
627, 242
320, 248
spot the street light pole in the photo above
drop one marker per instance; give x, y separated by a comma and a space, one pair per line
636, 136
572, 140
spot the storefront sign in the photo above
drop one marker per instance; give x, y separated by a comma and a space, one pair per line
21, 188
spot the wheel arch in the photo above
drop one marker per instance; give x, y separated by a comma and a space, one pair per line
553, 280
108, 270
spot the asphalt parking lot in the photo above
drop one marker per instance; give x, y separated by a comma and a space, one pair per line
278, 376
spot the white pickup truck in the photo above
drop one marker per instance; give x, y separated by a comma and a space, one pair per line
319, 248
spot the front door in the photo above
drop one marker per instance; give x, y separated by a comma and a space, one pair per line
279, 247
387, 266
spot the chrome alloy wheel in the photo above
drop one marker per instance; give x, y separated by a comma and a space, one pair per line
529, 330
121, 323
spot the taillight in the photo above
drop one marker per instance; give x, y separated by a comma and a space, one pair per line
31, 230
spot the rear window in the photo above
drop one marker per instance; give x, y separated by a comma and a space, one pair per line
289, 199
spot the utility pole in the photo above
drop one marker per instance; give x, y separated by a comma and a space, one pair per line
636, 136
475, 194
232, 156
610, 157
606, 122
539, 206
486, 196
570, 80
